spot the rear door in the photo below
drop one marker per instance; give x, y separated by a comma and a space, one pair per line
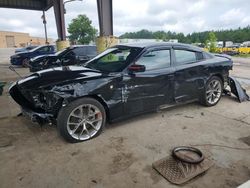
189, 74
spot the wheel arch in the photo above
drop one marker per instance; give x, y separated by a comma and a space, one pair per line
100, 100
220, 76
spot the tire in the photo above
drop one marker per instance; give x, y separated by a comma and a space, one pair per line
81, 120
212, 92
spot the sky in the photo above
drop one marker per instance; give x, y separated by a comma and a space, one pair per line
184, 16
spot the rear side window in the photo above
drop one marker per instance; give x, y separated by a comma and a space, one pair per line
185, 57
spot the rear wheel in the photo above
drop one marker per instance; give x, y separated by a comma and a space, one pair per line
213, 91
81, 120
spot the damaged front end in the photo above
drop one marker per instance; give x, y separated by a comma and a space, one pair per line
40, 106
42, 94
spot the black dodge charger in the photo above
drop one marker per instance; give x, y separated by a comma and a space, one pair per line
123, 81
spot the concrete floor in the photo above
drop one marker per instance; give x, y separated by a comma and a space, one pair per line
122, 155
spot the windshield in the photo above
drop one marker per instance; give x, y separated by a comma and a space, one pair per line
34, 49
113, 59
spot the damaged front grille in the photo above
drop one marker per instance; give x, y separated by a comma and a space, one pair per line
48, 101
21, 99
37, 100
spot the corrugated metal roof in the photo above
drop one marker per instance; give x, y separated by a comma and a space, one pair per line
27, 4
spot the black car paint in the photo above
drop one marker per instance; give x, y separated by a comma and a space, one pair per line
123, 94
238, 90
62, 58
25, 49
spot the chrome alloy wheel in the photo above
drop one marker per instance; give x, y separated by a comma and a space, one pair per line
84, 122
214, 90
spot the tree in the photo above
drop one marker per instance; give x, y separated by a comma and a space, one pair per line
211, 42
81, 30
235, 35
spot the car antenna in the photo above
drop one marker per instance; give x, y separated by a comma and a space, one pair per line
14, 70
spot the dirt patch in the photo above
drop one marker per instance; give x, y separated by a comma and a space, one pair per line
154, 148
5, 142
246, 140
155, 176
121, 162
75, 153
117, 143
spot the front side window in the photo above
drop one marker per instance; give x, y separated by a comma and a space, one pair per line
156, 59
185, 57
113, 59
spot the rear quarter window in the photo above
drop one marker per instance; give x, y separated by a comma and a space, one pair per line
207, 55
185, 57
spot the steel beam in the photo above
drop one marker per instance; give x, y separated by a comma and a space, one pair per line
60, 21
26, 4
105, 16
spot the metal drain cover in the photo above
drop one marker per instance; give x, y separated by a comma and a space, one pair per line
178, 172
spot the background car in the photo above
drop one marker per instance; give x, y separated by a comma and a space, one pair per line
28, 48
70, 56
121, 82
23, 58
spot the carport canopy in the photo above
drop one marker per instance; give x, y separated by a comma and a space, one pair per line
41, 5
105, 14
27, 4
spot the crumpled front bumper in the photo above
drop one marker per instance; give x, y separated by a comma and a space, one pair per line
40, 118
15, 61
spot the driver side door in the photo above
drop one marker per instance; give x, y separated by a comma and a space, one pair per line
145, 91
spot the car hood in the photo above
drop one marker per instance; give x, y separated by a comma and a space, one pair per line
19, 54
58, 76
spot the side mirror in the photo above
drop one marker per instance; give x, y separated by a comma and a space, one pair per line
136, 68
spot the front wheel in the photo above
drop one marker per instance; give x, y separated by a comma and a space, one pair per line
81, 120
212, 92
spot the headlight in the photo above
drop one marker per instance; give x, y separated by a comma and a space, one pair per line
45, 100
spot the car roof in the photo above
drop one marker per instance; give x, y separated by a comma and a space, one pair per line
161, 44
76, 46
